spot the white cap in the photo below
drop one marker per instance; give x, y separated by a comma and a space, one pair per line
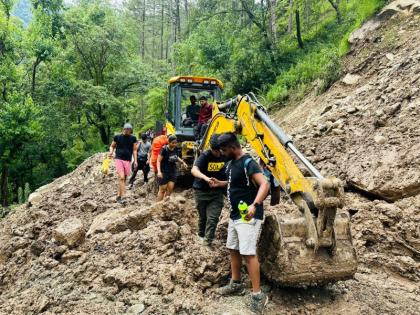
128, 126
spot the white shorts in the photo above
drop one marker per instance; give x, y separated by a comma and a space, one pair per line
244, 236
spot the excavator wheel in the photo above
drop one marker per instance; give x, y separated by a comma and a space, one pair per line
288, 261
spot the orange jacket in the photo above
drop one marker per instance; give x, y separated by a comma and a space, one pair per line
157, 144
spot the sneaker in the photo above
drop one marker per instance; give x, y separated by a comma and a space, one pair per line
130, 187
258, 303
232, 289
118, 199
207, 242
122, 201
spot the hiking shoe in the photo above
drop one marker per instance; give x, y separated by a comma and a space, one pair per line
130, 187
122, 201
258, 303
207, 242
118, 199
232, 288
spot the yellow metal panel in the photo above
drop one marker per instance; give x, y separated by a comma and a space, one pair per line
285, 169
196, 80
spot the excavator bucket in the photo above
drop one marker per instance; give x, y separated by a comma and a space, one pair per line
286, 259
293, 254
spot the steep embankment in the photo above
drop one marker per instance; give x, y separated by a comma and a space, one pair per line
76, 251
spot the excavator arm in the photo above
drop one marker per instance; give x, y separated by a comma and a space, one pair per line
317, 198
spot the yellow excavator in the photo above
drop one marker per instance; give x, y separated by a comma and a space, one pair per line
313, 247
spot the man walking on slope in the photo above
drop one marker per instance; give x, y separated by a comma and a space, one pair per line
210, 165
247, 186
143, 158
124, 145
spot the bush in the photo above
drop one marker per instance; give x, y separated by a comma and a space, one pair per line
320, 60
323, 64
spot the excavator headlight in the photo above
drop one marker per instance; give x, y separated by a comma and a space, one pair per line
182, 80
212, 82
189, 81
206, 82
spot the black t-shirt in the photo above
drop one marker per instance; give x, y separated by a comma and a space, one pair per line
124, 149
240, 185
193, 111
168, 163
210, 166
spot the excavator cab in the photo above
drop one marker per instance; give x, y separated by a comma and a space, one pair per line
182, 115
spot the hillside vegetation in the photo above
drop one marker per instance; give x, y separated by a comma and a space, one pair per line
80, 69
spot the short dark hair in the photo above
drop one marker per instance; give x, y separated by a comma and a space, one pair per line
143, 136
171, 138
228, 139
193, 98
203, 98
214, 142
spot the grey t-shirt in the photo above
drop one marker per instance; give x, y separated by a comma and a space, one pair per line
144, 149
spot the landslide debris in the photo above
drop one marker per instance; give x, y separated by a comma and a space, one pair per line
367, 132
74, 250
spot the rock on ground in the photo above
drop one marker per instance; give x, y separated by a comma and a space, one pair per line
70, 232
146, 258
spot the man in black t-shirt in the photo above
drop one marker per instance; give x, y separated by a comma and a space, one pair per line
209, 166
246, 186
124, 145
192, 112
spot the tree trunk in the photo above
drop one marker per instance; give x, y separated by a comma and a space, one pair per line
290, 22
187, 17
162, 15
36, 64
3, 185
336, 5
307, 13
273, 18
154, 50
178, 19
104, 134
143, 29
4, 92
298, 34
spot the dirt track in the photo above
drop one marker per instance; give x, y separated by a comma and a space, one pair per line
146, 256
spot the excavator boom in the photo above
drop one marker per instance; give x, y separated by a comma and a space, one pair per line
315, 247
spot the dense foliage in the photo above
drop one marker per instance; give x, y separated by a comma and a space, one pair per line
72, 72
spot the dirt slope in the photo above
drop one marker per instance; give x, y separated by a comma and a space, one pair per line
76, 251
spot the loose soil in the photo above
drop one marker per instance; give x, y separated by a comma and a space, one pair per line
74, 250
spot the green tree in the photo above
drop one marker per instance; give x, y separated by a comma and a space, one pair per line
21, 125
107, 75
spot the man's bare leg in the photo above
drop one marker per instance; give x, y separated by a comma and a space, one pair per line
253, 266
121, 186
235, 264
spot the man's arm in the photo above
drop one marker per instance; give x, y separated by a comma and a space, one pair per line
263, 189
218, 183
182, 162
135, 148
160, 157
149, 155
112, 148
197, 173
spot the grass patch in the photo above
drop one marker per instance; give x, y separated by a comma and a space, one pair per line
320, 59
